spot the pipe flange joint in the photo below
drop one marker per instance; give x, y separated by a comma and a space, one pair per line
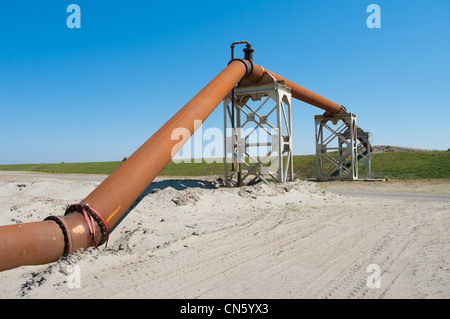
248, 66
67, 239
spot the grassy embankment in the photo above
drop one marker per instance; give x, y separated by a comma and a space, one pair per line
398, 165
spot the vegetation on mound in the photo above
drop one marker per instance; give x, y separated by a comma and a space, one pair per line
398, 165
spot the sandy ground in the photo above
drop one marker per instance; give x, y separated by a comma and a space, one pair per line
192, 239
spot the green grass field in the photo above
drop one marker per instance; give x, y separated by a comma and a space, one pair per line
398, 165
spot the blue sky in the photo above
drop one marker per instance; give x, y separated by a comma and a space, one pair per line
98, 92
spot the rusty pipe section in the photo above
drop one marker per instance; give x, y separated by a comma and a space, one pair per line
43, 242
84, 224
298, 92
24, 244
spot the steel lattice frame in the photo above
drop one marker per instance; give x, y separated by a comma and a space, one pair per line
273, 117
340, 161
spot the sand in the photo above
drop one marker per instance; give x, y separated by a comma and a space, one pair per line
193, 239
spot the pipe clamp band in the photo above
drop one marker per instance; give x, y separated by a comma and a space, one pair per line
67, 239
248, 66
85, 207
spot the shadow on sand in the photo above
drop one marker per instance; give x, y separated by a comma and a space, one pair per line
177, 184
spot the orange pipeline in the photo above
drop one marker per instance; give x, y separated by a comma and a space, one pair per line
89, 222
298, 92
48, 240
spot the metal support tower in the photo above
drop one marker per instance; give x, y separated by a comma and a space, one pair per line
339, 161
350, 156
258, 133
